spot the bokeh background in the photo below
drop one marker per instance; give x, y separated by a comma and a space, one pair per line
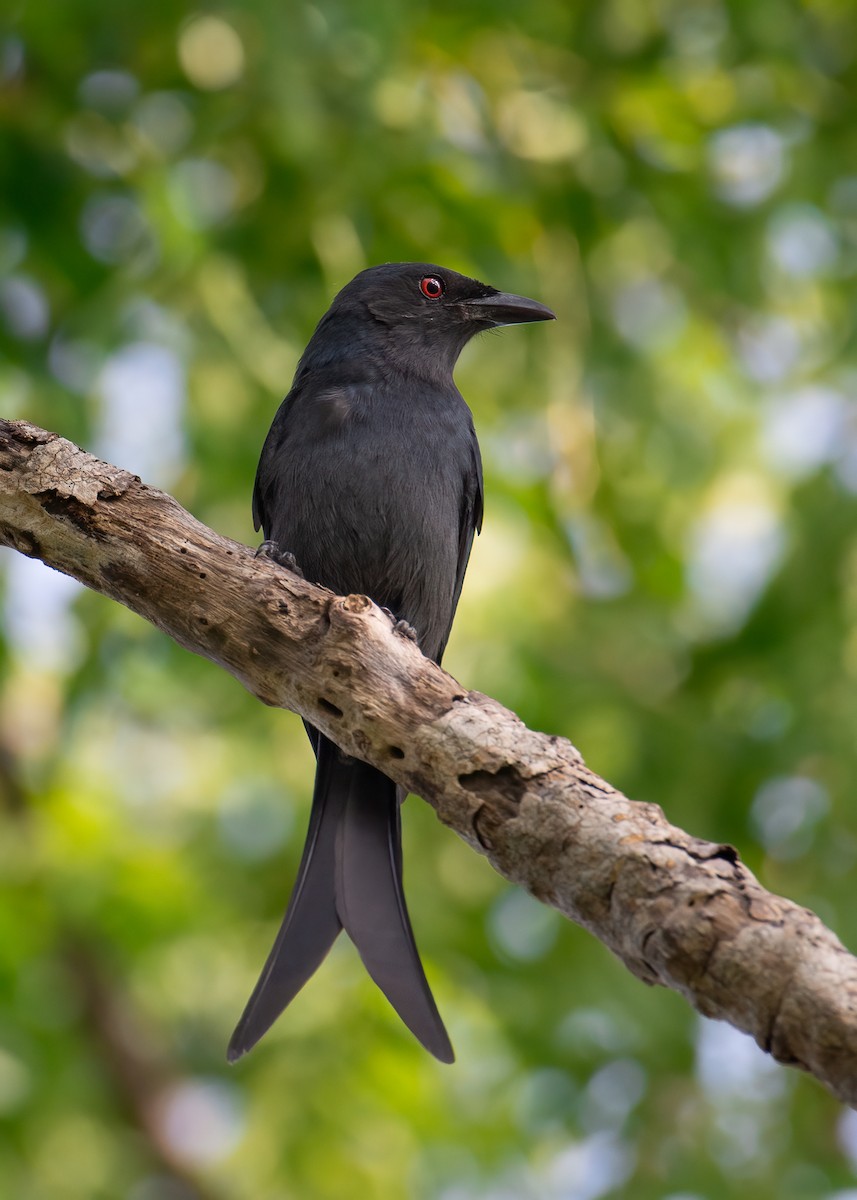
668, 573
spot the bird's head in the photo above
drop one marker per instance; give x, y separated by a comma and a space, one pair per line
423, 313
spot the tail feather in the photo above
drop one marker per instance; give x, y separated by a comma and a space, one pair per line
310, 926
350, 875
371, 905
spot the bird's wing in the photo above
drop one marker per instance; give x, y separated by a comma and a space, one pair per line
267, 470
308, 417
470, 524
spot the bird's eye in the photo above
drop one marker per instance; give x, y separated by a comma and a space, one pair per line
432, 287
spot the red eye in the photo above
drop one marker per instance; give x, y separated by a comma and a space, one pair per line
432, 287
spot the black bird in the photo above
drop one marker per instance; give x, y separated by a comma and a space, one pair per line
371, 478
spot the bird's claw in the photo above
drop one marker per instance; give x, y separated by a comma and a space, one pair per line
283, 558
401, 627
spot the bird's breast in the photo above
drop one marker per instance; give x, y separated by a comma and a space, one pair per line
368, 495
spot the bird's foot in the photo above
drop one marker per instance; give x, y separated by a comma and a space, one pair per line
401, 627
283, 558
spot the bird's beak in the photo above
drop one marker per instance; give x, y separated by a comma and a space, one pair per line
505, 309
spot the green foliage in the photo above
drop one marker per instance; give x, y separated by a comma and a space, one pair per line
668, 573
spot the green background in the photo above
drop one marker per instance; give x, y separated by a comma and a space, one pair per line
668, 574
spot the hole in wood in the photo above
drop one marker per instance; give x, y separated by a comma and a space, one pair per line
329, 708
396, 752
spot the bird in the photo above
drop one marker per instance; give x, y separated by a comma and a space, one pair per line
370, 482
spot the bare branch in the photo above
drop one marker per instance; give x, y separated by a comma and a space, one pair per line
676, 910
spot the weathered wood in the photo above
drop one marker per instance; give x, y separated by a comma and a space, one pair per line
676, 910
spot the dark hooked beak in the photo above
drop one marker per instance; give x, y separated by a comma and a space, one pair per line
505, 309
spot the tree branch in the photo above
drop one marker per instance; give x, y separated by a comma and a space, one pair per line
678, 911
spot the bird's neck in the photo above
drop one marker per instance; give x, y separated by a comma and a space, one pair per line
376, 354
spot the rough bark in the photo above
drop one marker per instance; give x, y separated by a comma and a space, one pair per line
678, 911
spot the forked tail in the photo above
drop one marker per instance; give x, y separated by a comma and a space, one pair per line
350, 876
